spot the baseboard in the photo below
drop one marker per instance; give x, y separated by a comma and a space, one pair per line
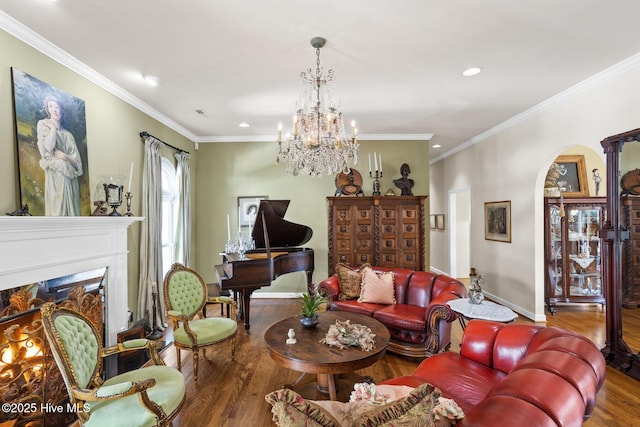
277, 295
526, 313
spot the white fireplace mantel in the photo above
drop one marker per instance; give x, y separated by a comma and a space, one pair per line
35, 248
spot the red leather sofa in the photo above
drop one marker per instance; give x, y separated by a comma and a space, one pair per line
420, 322
516, 375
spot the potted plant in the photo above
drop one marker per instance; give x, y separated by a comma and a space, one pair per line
311, 303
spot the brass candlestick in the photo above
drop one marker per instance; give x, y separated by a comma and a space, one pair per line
128, 196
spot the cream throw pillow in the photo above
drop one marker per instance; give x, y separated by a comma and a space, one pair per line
377, 288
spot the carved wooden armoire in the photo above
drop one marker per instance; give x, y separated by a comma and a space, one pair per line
385, 231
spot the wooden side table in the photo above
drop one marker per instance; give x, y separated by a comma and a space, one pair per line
487, 310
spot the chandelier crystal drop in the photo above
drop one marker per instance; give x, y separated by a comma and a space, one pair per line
318, 144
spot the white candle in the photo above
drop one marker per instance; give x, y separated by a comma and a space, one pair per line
375, 160
130, 175
369, 162
279, 131
228, 229
380, 162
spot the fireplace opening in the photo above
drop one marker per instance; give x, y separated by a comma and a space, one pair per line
30, 381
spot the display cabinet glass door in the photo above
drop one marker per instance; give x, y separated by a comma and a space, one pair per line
573, 251
583, 249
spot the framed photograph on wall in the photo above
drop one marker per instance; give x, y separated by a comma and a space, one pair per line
432, 221
248, 209
572, 176
51, 135
440, 221
497, 221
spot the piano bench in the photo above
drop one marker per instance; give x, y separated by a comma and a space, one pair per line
213, 291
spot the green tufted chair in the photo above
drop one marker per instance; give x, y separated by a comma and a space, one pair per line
149, 396
185, 295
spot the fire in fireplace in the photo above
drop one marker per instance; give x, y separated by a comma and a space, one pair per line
31, 387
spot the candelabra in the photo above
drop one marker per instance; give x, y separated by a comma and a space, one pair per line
376, 175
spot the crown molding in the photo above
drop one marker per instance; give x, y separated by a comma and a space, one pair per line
604, 76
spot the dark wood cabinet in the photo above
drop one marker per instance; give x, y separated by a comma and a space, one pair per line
573, 251
385, 231
630, 218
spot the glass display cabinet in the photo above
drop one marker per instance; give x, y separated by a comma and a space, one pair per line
572, 251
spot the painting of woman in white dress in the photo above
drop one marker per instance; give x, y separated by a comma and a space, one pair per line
52, 148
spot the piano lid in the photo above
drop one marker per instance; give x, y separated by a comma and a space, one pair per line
281, 233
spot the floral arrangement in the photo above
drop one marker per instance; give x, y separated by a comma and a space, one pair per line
343, 334
448, 409
365, 392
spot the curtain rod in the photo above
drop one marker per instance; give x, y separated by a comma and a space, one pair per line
145, 134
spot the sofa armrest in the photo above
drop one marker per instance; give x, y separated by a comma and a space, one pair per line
438, 318
330, 287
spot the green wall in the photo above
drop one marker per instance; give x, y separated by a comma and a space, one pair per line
229, 170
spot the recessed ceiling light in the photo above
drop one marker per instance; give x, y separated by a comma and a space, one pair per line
151, 80
436, 146
244, 125
471, 71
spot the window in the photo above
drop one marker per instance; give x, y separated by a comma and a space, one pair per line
169, 201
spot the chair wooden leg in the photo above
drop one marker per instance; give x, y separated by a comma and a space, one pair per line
195, 365
233, 348
178, 359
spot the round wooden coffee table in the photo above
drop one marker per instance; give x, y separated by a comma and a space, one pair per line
310, 356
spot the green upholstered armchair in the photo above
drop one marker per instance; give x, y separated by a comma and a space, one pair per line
149, 396
185, 294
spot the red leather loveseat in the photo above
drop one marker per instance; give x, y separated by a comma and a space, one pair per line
516, 375
420, 321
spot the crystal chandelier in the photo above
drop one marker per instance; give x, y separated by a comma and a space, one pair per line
319, 143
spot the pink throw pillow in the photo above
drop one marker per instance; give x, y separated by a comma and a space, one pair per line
377, 288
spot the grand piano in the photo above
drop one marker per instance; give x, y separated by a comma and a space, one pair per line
278, 251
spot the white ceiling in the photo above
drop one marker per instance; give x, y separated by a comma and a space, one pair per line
398, 63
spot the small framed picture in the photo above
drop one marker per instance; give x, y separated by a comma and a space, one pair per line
571, 173
497, 221
248, 209
432, 221
440, 221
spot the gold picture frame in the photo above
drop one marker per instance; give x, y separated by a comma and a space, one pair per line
432, 221
572, 179
440, 221
497, 221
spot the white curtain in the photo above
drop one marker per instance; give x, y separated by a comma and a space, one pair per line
183, 207
151, 235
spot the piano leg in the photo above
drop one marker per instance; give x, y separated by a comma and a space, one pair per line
311, 287
243, 314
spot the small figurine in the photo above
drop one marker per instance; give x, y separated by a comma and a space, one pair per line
597, 180
475, 289
291, 334
23, 211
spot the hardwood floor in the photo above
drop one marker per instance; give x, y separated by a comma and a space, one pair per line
231, 393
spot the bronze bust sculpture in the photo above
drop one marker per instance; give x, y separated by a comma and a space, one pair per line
405, 184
